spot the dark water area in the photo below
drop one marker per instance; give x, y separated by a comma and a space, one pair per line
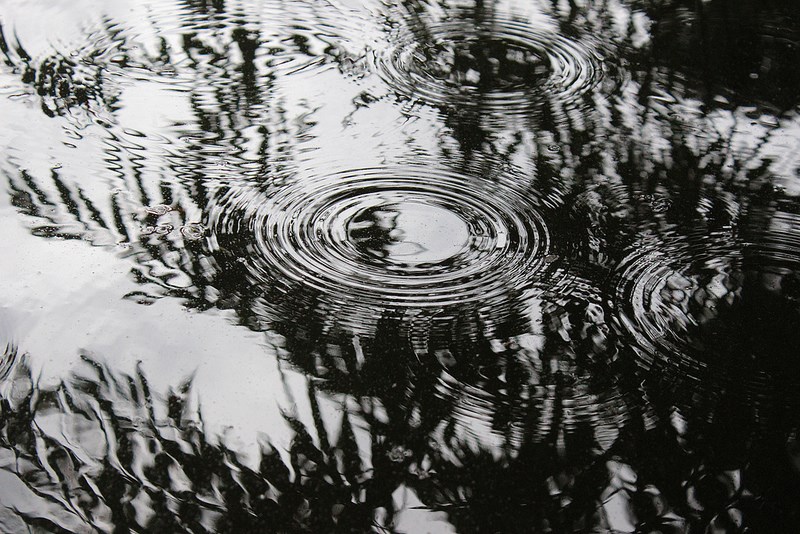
415, 267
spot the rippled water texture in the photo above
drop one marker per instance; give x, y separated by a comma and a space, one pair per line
414, 267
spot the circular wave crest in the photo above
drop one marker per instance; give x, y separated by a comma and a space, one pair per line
396, 237
670, 297
506, 67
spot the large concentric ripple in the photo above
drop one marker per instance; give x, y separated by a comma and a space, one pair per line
508, 66
394, 237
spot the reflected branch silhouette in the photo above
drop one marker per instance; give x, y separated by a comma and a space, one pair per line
638, 382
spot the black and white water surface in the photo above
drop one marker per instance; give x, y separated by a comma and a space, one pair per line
422, 266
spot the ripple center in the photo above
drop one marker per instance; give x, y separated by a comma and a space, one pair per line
406, 233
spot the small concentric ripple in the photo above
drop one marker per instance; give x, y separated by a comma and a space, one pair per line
670, 297
549, 351
508, 66
394, 237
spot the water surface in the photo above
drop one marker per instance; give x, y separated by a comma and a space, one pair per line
335, 266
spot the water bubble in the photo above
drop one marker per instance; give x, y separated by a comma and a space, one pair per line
193, 231
160, 229
164, 229
660, 205
158, 209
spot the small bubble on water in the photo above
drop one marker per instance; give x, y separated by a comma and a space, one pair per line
398, 453
193, 231
660, 205
164, 229
158, 209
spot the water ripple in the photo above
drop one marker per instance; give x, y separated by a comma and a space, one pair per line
671, 295
547, 356
506, 66
408, 236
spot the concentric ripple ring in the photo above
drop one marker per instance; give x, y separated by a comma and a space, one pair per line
668, 293
533, 64
398, 236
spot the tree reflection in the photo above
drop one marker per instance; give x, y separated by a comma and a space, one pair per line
511, 416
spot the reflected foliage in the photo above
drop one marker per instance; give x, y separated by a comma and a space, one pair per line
645, 380
124, 459
103, 450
